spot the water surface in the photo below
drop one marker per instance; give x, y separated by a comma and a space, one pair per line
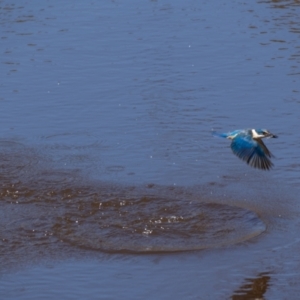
110, 179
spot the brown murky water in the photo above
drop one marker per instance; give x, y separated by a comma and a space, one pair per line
110, 181
100, 216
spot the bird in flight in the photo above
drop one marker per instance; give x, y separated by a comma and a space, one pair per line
247, 144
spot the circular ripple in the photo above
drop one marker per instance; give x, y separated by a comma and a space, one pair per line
155, 225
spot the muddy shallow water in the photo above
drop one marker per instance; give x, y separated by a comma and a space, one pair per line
112, 218
111, 185
148, 240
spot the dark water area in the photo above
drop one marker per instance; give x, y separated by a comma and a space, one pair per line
111, 185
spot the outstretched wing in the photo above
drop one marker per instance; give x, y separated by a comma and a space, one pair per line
253, 151
264, 147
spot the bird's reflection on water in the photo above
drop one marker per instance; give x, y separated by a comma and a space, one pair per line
253, 288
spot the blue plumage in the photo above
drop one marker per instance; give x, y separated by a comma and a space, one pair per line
248, 146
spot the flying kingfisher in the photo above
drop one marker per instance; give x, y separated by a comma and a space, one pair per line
247, 144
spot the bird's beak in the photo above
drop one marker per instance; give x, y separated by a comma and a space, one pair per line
271, 135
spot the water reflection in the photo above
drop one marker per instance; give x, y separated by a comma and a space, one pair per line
283, 3
283, 21
253, 288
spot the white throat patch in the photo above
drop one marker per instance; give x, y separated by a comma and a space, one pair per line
255, 135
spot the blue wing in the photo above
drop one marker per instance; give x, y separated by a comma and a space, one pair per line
253, 151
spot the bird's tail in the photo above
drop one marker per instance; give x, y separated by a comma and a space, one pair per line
223, 135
